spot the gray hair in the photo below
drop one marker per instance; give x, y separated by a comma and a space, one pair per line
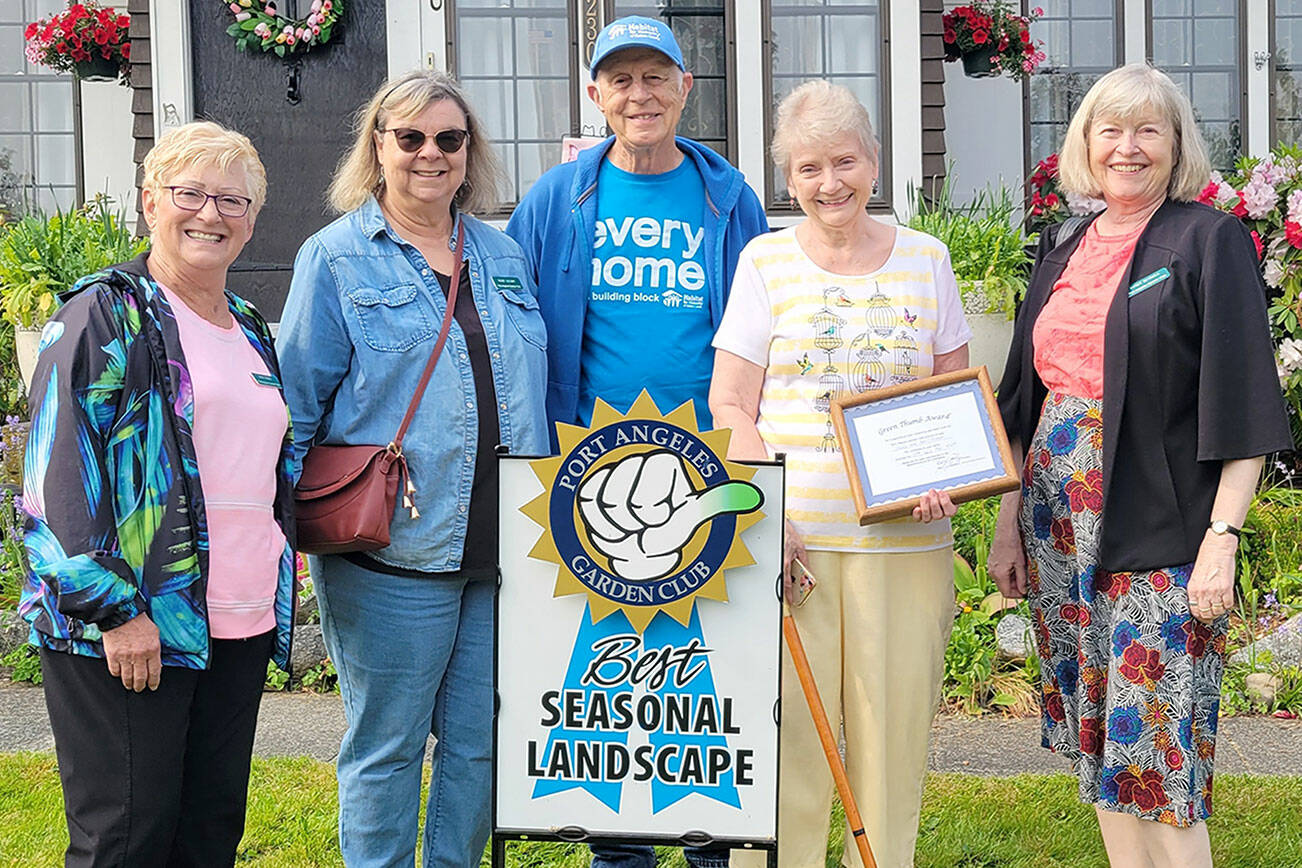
815, 112
1126, 94
358, 174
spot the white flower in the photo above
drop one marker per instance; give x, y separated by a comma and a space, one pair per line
1273, 271
1295, 206
1289, 356
1081, 205
1259, 197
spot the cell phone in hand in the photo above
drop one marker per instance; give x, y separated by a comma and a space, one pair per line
804, 581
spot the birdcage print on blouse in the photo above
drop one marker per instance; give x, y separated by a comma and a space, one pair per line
881, 315
867, 370
906, 357
828, 325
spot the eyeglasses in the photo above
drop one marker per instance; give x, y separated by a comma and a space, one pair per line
411, 141
228, 204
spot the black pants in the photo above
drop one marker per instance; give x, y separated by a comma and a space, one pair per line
157, 778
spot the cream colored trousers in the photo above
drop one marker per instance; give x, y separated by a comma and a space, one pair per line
875, 630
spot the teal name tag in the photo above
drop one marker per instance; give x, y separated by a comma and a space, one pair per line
1145, 282
267, 380
507, 283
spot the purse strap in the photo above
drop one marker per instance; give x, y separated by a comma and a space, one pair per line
395, 446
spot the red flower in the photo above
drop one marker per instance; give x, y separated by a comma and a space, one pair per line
1053, 706
1085, 491
980, 37
1026, 39
1292, 232
102, 36
1199, 635
950, 35
1091, 736
126, 50
1068, 612
1003, 43
1144, 789
79, 54
1085, 617
1112, 584
1052, 200
1064, 538
1141, 665
30, 31
1240, 208
1256, 239
1160, 581
1174, 759
1208, 194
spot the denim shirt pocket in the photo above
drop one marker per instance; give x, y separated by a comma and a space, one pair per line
523, 312
393, 319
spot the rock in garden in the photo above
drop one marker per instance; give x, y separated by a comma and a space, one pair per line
308, 612
1013, 636
1261, 687
1284, 645
309, 649
13, 631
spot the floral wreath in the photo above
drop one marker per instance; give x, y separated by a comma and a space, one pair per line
266, 29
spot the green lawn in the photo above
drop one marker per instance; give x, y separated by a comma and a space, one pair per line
967, 821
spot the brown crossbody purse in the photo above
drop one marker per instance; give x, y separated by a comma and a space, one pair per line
345, 496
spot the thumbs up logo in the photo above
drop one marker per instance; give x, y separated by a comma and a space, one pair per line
642, 512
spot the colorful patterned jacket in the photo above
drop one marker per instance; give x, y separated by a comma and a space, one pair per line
111, 482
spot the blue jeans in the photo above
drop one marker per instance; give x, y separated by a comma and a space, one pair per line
642, 856
415, 657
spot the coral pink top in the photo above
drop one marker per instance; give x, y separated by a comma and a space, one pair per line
1068, 335
239, 425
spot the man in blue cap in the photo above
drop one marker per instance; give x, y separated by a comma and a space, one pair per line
633, 247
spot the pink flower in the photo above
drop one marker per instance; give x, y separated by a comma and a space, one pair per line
1256, 240
235, 7
1259, 197
1295, 206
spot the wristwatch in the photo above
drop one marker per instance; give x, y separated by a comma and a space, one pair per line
1221, 528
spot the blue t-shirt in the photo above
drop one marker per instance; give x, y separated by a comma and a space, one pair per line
648, 319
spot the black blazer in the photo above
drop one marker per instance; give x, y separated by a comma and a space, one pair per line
1189, 379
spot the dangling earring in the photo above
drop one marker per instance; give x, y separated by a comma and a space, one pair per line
875, 186
464, 190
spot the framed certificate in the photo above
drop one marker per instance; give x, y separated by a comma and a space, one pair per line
943, 432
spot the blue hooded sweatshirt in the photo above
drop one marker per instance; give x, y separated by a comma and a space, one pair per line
555, 224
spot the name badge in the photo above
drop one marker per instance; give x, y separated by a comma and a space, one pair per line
268, 380
507, 283
1148, 280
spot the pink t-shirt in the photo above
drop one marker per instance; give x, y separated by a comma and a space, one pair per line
239, 426
1068, 334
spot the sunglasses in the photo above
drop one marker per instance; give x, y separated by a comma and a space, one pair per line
411, 141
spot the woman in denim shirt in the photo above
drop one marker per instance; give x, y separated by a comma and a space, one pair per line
410, 627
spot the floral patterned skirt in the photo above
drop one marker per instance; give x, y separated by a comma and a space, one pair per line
1130, 681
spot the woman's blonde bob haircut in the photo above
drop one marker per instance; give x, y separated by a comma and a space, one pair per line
1129, 94
204, 143
816, 112
359, 175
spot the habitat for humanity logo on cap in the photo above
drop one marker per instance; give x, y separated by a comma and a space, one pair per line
635, 31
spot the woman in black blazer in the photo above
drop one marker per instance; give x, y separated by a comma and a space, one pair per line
1141, 374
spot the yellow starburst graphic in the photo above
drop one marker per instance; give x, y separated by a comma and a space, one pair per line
662, 539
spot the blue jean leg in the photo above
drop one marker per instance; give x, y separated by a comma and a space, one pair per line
642, 856
394, 641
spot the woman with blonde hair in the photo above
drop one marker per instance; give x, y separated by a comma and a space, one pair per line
410, 626
876, 626
1141, 381
158, 484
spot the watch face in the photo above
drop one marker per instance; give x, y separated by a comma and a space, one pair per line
1220, 526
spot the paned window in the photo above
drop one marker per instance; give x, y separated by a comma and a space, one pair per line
1287, 87
38, 150
1080, 40
513, 58
701, 28
833, 39
1196, 42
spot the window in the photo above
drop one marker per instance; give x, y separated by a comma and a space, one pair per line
1080, 39
1197, 43
701, 28
833, 39
36, 118
1287, 86
513, 58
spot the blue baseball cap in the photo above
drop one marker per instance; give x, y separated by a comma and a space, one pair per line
635, 31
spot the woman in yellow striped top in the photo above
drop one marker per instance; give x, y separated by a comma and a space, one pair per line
838, 304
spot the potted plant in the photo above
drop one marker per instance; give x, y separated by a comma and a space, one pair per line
987, 250
991, 39
87, 39
42, 256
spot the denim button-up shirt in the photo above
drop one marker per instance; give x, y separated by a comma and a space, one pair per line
363, 313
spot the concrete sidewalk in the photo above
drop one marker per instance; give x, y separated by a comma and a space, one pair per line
306, 724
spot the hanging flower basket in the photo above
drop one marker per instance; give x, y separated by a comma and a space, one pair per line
992, 40
977, 62
86, 39
97, 69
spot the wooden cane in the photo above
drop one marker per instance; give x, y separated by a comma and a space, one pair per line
806, 675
